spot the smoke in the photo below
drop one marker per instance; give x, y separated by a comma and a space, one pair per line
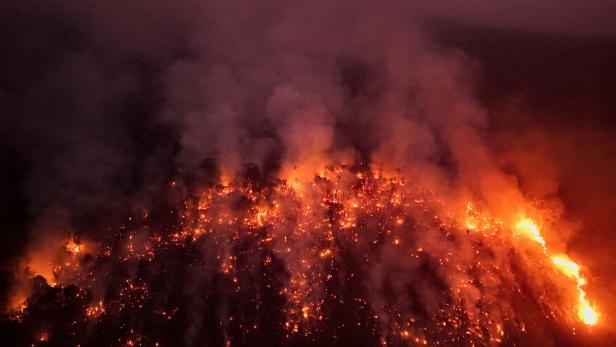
292, 80
123, 95
110, 103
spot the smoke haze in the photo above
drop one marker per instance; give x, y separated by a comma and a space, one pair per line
119, 110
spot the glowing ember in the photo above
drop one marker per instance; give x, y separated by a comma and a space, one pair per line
566, 266
325, 253
367, 231
478, 222
95, 311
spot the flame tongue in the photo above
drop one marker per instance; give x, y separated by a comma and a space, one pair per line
586, 313
527, 228
571, 269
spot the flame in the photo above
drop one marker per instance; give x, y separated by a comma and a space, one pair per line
571, 269
73, 247
306, 223
586, 313
527, 228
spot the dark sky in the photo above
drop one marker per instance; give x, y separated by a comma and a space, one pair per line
593, 17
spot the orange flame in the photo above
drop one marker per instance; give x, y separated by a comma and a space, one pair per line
527, 228
571, 269
586, 313
73, 247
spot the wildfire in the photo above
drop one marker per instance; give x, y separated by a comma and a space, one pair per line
586, 313
477, 222
527, 228
369, 219
95, 311
569, 268
74, 247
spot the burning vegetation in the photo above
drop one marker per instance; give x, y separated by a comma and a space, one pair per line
281, 173
353, 251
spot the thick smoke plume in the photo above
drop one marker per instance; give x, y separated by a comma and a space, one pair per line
246, 172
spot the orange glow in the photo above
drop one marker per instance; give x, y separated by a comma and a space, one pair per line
527, 228
261, 216
226, 177
73, 247
571, 269
302, 222
586, 313
95, 311
325, 253
476, 221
